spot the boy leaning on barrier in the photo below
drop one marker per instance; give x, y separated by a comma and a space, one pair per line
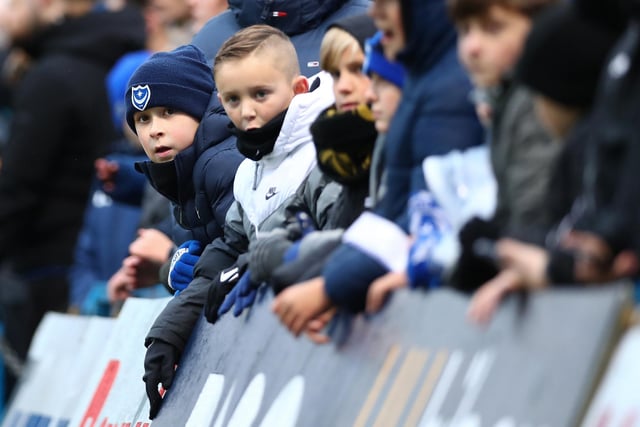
192, 159
271, 106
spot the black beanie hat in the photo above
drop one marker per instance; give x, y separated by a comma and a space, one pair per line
180, 79
564, 55
609, 13
361, 27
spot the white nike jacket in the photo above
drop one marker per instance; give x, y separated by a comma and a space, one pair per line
262, 188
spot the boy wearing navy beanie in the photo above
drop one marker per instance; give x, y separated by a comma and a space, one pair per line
169, 105
179, 80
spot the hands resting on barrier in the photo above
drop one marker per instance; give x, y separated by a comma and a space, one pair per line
241, 296
225, 282
160, 363
182, 264
140, 269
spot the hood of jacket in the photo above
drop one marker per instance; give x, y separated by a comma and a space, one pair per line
303, 110
291, 16
429, 33
99, 35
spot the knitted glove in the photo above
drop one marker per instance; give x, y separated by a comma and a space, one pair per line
182, 263
159, 368
223, 285
265, 254
241, 296
307, 261
476, 265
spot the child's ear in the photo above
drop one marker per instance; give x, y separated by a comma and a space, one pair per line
300, 85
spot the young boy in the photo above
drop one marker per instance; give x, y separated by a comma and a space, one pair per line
271, 108
193, 167
563, 100
344, 135
384, 95
491, 35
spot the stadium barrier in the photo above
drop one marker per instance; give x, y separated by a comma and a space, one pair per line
416, 363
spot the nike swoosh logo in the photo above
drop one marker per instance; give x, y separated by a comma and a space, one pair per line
226, 276
270, 195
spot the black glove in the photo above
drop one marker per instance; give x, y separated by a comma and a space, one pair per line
476, 265
159, 367
223, 284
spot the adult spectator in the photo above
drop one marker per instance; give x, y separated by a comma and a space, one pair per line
305, 22
61, 124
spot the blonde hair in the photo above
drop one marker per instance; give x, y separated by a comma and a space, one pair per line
335, 43
263, 39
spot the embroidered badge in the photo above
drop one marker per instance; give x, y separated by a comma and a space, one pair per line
140, 96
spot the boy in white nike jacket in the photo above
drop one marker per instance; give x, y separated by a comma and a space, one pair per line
271, 108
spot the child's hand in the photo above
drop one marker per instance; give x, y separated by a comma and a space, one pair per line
151, 245
488, 297
529, 260
144, 273
594, 260
120, 286
106, 171
382, 287
297, 305
317, 325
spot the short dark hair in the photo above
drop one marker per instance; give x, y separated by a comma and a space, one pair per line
460, 10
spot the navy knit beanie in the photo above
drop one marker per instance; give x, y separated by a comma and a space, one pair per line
376, 62
180, 79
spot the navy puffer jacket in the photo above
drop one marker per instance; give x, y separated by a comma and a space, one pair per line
200, 184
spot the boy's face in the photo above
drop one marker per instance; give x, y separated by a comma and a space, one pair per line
387, 17
350, 84
164, 132
489, 45
253, 90
384, 97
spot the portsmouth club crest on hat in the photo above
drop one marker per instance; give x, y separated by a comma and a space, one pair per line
140, 96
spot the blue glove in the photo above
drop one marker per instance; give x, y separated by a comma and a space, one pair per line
243, 295
229, 300
247, 291
182, 263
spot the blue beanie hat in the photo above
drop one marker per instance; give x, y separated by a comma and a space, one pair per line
117, 83
376, 62
180, 79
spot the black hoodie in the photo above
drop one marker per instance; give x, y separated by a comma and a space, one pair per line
61, 124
